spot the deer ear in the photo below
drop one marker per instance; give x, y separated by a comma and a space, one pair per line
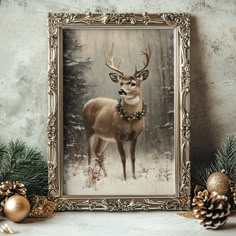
143, 75
114, 77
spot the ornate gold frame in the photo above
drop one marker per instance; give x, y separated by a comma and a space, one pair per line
180, 23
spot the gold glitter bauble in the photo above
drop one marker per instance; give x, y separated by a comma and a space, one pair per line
17, 208
218, 182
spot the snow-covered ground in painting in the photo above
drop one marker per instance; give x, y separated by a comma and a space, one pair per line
154, 176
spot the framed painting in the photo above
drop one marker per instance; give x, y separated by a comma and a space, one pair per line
118, 124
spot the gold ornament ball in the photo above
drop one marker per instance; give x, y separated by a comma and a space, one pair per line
17, 208
218, 182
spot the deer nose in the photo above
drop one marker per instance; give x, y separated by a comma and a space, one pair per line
122, 92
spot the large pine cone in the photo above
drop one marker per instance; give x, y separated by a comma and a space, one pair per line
211, 209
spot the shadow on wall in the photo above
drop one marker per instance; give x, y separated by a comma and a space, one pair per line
202, 140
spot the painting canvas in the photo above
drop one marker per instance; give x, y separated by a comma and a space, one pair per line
119, 103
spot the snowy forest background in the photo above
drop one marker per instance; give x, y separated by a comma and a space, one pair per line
86, 77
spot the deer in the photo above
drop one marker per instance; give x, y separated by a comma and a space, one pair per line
117, 122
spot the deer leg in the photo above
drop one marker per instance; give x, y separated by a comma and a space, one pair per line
123, 158
132, 153
99, 151
89, 152
90, 145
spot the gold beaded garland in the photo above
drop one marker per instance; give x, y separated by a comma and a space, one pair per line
218, 182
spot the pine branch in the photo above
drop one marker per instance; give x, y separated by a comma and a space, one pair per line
225, 159
200, 175
2, 150
25, 164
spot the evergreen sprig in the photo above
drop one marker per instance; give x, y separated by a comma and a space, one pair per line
20, 162
225, 159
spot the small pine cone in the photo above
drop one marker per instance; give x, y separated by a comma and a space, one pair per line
8, 189
211, 209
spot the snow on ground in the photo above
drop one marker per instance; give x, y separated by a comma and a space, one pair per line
153, 176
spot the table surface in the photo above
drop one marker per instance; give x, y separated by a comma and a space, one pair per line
114, 224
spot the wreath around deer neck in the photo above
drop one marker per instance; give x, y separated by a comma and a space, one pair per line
130, 117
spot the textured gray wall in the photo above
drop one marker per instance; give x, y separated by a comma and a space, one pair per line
23, 64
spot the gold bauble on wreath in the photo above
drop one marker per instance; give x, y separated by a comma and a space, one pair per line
218, 182
17, 208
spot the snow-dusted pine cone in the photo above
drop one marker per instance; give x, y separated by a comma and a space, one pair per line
211, 209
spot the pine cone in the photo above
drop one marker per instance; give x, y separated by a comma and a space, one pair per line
8, 189
211, 209
233, 193
42, 207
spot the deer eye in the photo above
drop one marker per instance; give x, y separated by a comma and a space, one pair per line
133, 84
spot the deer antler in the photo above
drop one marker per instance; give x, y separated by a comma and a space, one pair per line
110, 62
147, 54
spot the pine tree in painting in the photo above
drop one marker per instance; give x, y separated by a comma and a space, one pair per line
75, 90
